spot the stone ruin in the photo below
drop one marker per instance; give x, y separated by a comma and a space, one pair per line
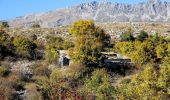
64, 59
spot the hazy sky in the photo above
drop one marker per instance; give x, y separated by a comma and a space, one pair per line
13, 8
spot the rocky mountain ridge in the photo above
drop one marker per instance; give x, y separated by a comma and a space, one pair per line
150, 11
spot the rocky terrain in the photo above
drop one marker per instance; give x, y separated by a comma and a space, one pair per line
149, 11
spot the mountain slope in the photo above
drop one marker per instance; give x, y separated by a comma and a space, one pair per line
150, 11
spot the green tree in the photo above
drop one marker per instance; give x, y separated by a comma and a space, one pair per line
24, 47
142, 36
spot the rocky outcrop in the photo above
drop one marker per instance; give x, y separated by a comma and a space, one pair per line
150, 11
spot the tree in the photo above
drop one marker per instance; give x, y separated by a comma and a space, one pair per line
142, 36
127, 36
86, 51
90, 41
82, 27
24, 47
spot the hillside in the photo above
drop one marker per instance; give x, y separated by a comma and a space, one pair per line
150, 11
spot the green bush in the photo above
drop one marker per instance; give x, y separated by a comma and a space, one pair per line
142, 36
127, 36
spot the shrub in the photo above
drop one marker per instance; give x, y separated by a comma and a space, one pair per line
4, 71
51, 53
125, 47
127, 36
5, 44
151, 83
4, 25
99, 85
41, 69
142, 36
161, 51
36, 25
32, 92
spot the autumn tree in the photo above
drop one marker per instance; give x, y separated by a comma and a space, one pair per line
145, 52
24, 47
90, 41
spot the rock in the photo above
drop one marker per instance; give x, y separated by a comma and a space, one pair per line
150, 11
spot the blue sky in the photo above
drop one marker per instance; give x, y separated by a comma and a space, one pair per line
13, 8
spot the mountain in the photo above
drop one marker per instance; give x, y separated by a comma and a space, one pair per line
150, 11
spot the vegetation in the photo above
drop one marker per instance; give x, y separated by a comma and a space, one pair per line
151, 83
127, 36
36, 25
99, 85
54, 44
24, 47
142, 36
51, 53
90, 41
4, 25
29, 62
